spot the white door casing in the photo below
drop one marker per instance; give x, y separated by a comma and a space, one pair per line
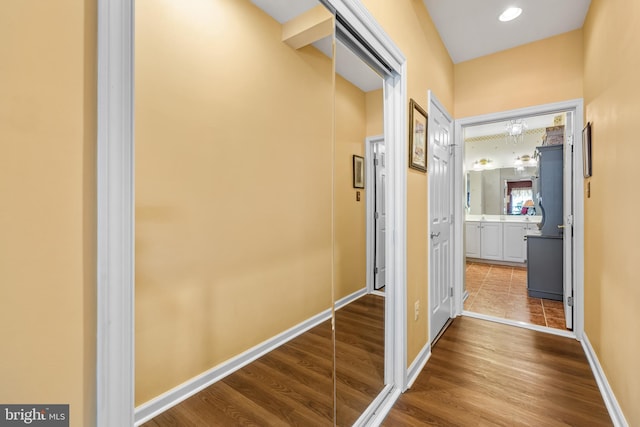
440, 217
567, 204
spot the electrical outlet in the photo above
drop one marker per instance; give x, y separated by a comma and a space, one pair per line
416, 310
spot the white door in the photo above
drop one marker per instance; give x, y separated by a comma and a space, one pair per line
380, 217
440, 216
568, 220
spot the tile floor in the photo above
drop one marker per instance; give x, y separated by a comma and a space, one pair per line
501, 291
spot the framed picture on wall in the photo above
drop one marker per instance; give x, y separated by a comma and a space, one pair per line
586, 150
358, 172
417, 137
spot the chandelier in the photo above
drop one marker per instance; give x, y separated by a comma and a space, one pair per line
515, 130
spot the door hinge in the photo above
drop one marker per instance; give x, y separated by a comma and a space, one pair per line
570, 301
376, 215
375, 270
569, 219
375, 161
451, 291
570, 140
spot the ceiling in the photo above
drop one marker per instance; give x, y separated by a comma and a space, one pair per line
471, 29
468, 28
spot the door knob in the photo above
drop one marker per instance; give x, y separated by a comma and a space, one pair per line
433, 235
561, 226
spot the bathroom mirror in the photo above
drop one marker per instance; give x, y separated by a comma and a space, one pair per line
500, 168
234, 208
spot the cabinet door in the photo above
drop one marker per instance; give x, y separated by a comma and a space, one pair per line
491, 240
472, 239
514, 246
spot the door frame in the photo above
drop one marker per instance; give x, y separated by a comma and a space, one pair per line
370, 200
116, 204
433, 99
577, 107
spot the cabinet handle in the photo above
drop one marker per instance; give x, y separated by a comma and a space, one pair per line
561, 226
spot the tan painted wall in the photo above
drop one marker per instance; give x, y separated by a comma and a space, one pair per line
545, 71
350, 214
428, 67
612, 104
233, 186
374, 106
47, 212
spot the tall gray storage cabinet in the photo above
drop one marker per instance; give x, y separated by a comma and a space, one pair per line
545, 252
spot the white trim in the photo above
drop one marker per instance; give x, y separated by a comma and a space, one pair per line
610, 401
370, 200
349, 298
376, 412
115, 217
152, 408
523, 325
418, 364
577, 106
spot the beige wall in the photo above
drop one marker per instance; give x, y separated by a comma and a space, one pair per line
374, 107
233, 186
612, 105
47, 213
428, 67
545, 71
350, 214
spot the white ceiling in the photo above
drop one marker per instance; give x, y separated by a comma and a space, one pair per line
470, 28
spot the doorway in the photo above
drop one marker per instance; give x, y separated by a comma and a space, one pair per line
487, 234
376, 175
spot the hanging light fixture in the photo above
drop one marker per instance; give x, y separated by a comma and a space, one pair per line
515, 130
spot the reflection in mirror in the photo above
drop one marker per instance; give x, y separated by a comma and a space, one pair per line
233, 140
359, 316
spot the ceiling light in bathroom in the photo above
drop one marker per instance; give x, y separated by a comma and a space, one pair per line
510, 14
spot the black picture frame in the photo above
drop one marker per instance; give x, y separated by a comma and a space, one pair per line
418, 131
358, 171
586, 151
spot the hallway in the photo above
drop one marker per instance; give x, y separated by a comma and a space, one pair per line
484, 373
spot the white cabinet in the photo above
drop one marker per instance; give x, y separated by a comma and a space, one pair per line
497, 240
472, 239
491, 240
513, 244
483, 240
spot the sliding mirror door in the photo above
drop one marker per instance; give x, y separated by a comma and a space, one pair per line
359, 216
233, 223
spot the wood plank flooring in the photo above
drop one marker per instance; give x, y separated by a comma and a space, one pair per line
488, 374
293, 384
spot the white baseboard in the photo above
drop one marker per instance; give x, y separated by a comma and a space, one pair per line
418, 364
350, 298
150, 409
610, 401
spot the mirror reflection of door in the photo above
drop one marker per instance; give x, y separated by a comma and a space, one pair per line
233, 198
505, 204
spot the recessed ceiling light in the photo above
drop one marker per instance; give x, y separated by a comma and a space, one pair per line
510, 14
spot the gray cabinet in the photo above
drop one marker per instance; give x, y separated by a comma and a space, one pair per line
550, 188
544, 269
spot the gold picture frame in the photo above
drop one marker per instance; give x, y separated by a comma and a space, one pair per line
418, 126
358, 171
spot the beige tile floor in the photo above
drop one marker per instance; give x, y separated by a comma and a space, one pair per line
501, 291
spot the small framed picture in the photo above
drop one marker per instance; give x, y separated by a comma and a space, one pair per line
417, 137
586, 150
358, 172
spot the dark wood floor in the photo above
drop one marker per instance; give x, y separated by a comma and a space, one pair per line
488, 374
293, 384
